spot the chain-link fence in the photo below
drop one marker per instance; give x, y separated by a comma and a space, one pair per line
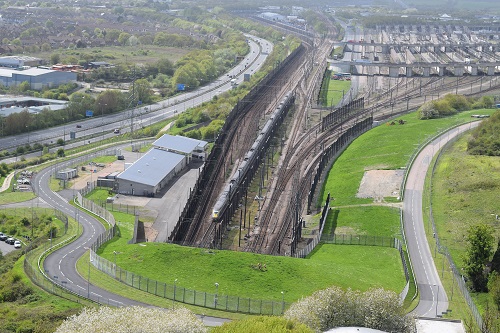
457, 276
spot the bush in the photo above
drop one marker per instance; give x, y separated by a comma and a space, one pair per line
263, 324
132, 319
334, 307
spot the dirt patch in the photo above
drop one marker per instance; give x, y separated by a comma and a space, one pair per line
378, 184
91, 173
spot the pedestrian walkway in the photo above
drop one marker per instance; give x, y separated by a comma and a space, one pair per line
7, 181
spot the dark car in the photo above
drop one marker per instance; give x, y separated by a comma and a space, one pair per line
120, 157
78, 126
10, 241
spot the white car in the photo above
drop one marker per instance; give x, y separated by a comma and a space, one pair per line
17, 244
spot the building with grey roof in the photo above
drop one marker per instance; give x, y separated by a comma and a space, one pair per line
151, 173
16, 104
38, 78
182, 145
19, 61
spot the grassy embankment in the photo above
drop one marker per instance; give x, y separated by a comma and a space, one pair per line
354, 267
388, 148
464, 193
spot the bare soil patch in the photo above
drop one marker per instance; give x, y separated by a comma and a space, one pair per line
378, 184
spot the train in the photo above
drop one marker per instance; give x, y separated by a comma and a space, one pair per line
246, 167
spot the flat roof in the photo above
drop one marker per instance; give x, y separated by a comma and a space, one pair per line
178, 143
152, 167
33, 71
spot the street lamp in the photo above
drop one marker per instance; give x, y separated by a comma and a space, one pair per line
88, 278
64, 132
437, 298
175, 289
102, 118
216, 293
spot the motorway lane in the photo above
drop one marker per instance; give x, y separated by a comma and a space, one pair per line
433, 298
145, 115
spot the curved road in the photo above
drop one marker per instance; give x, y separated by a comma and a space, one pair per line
60, 266
433, 298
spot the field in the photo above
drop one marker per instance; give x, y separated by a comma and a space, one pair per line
383, 148
464, 193
121, 54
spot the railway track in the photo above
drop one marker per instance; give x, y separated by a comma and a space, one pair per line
239, 140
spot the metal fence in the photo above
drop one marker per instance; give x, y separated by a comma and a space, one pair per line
457, 276
189, 296
179, 294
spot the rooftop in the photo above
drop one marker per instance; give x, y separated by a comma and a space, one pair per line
152, 167
178, 143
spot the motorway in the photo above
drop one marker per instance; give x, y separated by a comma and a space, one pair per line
60, 265
103, 126
433, 299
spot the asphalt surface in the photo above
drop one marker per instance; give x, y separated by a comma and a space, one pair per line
60, 266
103, 126
433, 298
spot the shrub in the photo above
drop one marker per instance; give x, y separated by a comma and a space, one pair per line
263, 324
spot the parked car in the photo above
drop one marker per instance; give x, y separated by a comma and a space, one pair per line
10, 241
17, 244
3, 237
120, 157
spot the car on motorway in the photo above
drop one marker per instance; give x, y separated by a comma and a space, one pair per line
17, 244
116, 131
78, 126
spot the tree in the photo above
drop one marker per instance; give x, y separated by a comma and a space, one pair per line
123, 38
60, 151
334, 307
477, 254
132, 319
55, 58
494, 288
143, 91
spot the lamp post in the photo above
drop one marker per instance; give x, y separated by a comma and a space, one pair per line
64, 132
437, 299
216, 294
88, 278
102, 118
175, 289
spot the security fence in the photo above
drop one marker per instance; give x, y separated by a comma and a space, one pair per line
189, 296
457, 275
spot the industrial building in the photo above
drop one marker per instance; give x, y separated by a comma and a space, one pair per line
20, 61
156, 169
34, 105
38, 78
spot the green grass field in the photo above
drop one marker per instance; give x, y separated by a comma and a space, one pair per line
384, 147
336, 90
121, 54
356, 267
364, 220
465, 192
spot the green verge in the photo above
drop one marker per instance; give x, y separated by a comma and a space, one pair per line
384, 147
354, 267
464, 193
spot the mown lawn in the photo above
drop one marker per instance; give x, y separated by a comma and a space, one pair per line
384, 147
